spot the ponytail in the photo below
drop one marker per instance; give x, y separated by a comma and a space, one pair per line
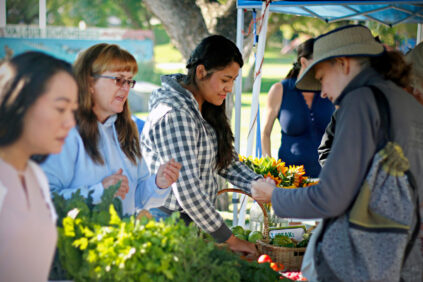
293, 73
305, 50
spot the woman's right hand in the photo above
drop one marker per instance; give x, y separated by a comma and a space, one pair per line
114, 179
242, 246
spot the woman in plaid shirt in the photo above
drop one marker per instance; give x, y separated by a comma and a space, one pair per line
187, 122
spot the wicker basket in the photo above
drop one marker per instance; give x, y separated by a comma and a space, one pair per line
291, 258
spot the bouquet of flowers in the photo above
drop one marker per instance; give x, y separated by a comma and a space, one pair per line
284, 176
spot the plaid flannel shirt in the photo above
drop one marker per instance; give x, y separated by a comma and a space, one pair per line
176, 129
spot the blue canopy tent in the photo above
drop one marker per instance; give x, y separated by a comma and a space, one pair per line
385, 12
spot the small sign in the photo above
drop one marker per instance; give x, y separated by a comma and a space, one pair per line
294, 232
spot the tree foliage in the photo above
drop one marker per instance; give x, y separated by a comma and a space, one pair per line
96, 13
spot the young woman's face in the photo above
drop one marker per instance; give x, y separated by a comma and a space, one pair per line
109, 98
214, 88
48, 121
333, 79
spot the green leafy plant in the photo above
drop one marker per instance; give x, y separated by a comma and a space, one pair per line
125, 249
68, 259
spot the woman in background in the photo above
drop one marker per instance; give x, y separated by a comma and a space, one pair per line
303, 117
38, 98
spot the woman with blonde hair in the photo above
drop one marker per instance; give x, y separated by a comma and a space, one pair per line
103, 149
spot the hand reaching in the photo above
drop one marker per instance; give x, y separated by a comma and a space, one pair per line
242, 246
113, 179
167, 174
262, 190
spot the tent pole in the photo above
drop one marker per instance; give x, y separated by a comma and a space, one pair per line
255, 99
238, 92
42, 17
419, 36
257, 80
42, 14
2, 13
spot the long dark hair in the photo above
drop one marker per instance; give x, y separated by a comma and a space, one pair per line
215, 53
23, 80
304, 50
94, 61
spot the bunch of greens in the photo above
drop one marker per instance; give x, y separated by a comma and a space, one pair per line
285, 241
68, 259
96, 244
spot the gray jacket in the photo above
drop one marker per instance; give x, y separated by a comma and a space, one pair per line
353, 146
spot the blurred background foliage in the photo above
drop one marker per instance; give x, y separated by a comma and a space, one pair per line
284, 31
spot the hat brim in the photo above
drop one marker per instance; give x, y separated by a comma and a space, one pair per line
307, 80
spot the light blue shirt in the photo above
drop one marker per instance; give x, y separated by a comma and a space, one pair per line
73, 169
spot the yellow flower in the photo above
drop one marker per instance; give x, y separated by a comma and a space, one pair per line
291, 176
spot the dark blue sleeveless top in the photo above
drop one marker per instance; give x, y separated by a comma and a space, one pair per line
302, 128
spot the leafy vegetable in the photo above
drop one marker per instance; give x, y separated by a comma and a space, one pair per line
96, 244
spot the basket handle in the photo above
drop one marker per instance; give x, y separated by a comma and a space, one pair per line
263, 209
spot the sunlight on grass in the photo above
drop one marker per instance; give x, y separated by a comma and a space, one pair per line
166, 53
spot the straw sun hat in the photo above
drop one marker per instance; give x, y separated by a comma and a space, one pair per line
415, 57
347, 41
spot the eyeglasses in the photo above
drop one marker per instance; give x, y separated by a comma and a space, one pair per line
119, 81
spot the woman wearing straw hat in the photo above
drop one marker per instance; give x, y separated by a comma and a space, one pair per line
346, 61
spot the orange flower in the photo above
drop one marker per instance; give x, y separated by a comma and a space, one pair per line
282, 168
276, 179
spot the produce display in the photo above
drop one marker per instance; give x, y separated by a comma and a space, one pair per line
279, 240
285, 241
284, 176
97, 244
248, 235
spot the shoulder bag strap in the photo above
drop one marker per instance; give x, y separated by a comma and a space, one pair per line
385, 116
385, 121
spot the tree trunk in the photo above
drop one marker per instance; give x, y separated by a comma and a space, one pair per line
183, 22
